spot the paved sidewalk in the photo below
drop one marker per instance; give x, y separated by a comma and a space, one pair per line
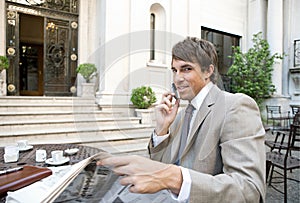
293, 187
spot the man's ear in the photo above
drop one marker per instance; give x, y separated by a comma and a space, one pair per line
210, 71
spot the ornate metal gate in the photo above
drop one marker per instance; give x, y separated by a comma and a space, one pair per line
60, 42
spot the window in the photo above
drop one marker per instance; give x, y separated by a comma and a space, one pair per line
152, 36
296, 52
157, 41
223, 43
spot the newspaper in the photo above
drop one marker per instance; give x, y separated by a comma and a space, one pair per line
87, 182
121, 194
70, 176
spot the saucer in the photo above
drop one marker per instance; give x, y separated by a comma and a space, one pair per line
51, 162
28, 147
71, 151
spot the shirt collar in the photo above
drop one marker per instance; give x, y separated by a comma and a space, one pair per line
198, 99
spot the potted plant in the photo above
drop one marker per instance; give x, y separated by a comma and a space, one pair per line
88, 72
251, 72
142, 98
3, 66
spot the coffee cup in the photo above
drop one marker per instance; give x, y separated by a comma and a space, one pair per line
57, 155
11, 149
22, 144
40, 155
11, 153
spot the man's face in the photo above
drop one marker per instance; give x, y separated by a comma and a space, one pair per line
188, 78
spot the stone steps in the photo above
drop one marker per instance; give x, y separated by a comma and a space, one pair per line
135, 146
87, 135
6, 117
26, 100
47, 107
62, 124
44, 104
78, 120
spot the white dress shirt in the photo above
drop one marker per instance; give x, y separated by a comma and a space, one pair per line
187, 182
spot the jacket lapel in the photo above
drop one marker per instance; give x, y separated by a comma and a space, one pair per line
203, 112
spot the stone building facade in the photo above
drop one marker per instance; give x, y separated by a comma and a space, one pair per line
130, 42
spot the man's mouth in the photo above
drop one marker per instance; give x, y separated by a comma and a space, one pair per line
182, 88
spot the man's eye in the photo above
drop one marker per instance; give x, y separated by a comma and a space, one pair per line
187, 69
174, 70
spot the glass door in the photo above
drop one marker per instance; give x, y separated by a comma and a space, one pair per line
31, 69
31, 55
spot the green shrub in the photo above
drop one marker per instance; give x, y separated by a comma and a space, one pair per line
87, 70
251, 72
143, 97
3, 63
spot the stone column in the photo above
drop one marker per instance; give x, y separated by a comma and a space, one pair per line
256, 19
2, 27
3, 84
2, 46
275, 39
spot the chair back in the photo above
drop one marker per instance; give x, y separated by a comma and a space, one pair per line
280, 120
271, 110
295, 109
296, 119
295, 136
272, 113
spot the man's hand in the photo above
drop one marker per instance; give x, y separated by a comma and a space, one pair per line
165, 113
145, 175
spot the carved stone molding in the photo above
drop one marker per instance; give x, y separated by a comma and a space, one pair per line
295, 75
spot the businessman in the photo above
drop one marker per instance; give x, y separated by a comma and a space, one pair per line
212, 151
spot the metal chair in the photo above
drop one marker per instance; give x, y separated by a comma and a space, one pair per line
274, 144
295, 109
280, 120
281, 156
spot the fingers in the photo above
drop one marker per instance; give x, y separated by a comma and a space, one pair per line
101, 155
116, 164
112, 161
144, 184
176, 106
128, 180
165, 94
167, 102
137, 185
167, 99
117, 161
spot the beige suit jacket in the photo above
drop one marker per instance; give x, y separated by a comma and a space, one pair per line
225, 151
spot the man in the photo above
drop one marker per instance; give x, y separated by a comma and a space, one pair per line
222, 159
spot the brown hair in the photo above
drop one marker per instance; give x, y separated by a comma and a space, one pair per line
198, 51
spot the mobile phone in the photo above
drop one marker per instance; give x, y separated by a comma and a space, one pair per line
174, 90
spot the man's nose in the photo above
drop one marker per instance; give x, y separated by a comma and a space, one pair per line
178, 77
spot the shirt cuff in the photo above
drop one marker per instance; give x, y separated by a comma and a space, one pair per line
156, 140
185, 189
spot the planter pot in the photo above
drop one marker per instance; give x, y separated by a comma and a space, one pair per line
146, 115
88, 90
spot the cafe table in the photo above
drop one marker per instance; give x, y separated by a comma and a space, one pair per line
27, 157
